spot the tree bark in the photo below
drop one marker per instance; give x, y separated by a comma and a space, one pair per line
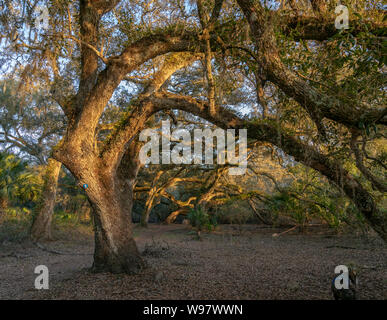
111, 200
41, 225
110, 193
115, 249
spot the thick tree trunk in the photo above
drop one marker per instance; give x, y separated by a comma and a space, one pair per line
41, 225
115, 249
110, 193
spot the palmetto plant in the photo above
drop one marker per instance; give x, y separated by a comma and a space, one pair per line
17, 182
200, 219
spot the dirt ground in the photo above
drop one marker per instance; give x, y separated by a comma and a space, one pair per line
231, 263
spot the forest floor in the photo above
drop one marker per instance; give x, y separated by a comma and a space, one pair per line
235, 262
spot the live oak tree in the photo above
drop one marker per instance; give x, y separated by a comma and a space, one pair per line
116, 42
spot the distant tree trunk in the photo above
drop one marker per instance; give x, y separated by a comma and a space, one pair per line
152, 194
3, 204
3, 207
260, 218
41, 226
148, 208
85, 213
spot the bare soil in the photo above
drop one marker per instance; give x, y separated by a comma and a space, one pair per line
232, 263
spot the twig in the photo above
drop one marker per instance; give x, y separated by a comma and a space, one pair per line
279, 234
342, 247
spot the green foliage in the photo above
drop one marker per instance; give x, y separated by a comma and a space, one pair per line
310, 198
14, 225
200, 219
17, 182
62, 218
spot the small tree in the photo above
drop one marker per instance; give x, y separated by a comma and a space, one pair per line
200, 219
